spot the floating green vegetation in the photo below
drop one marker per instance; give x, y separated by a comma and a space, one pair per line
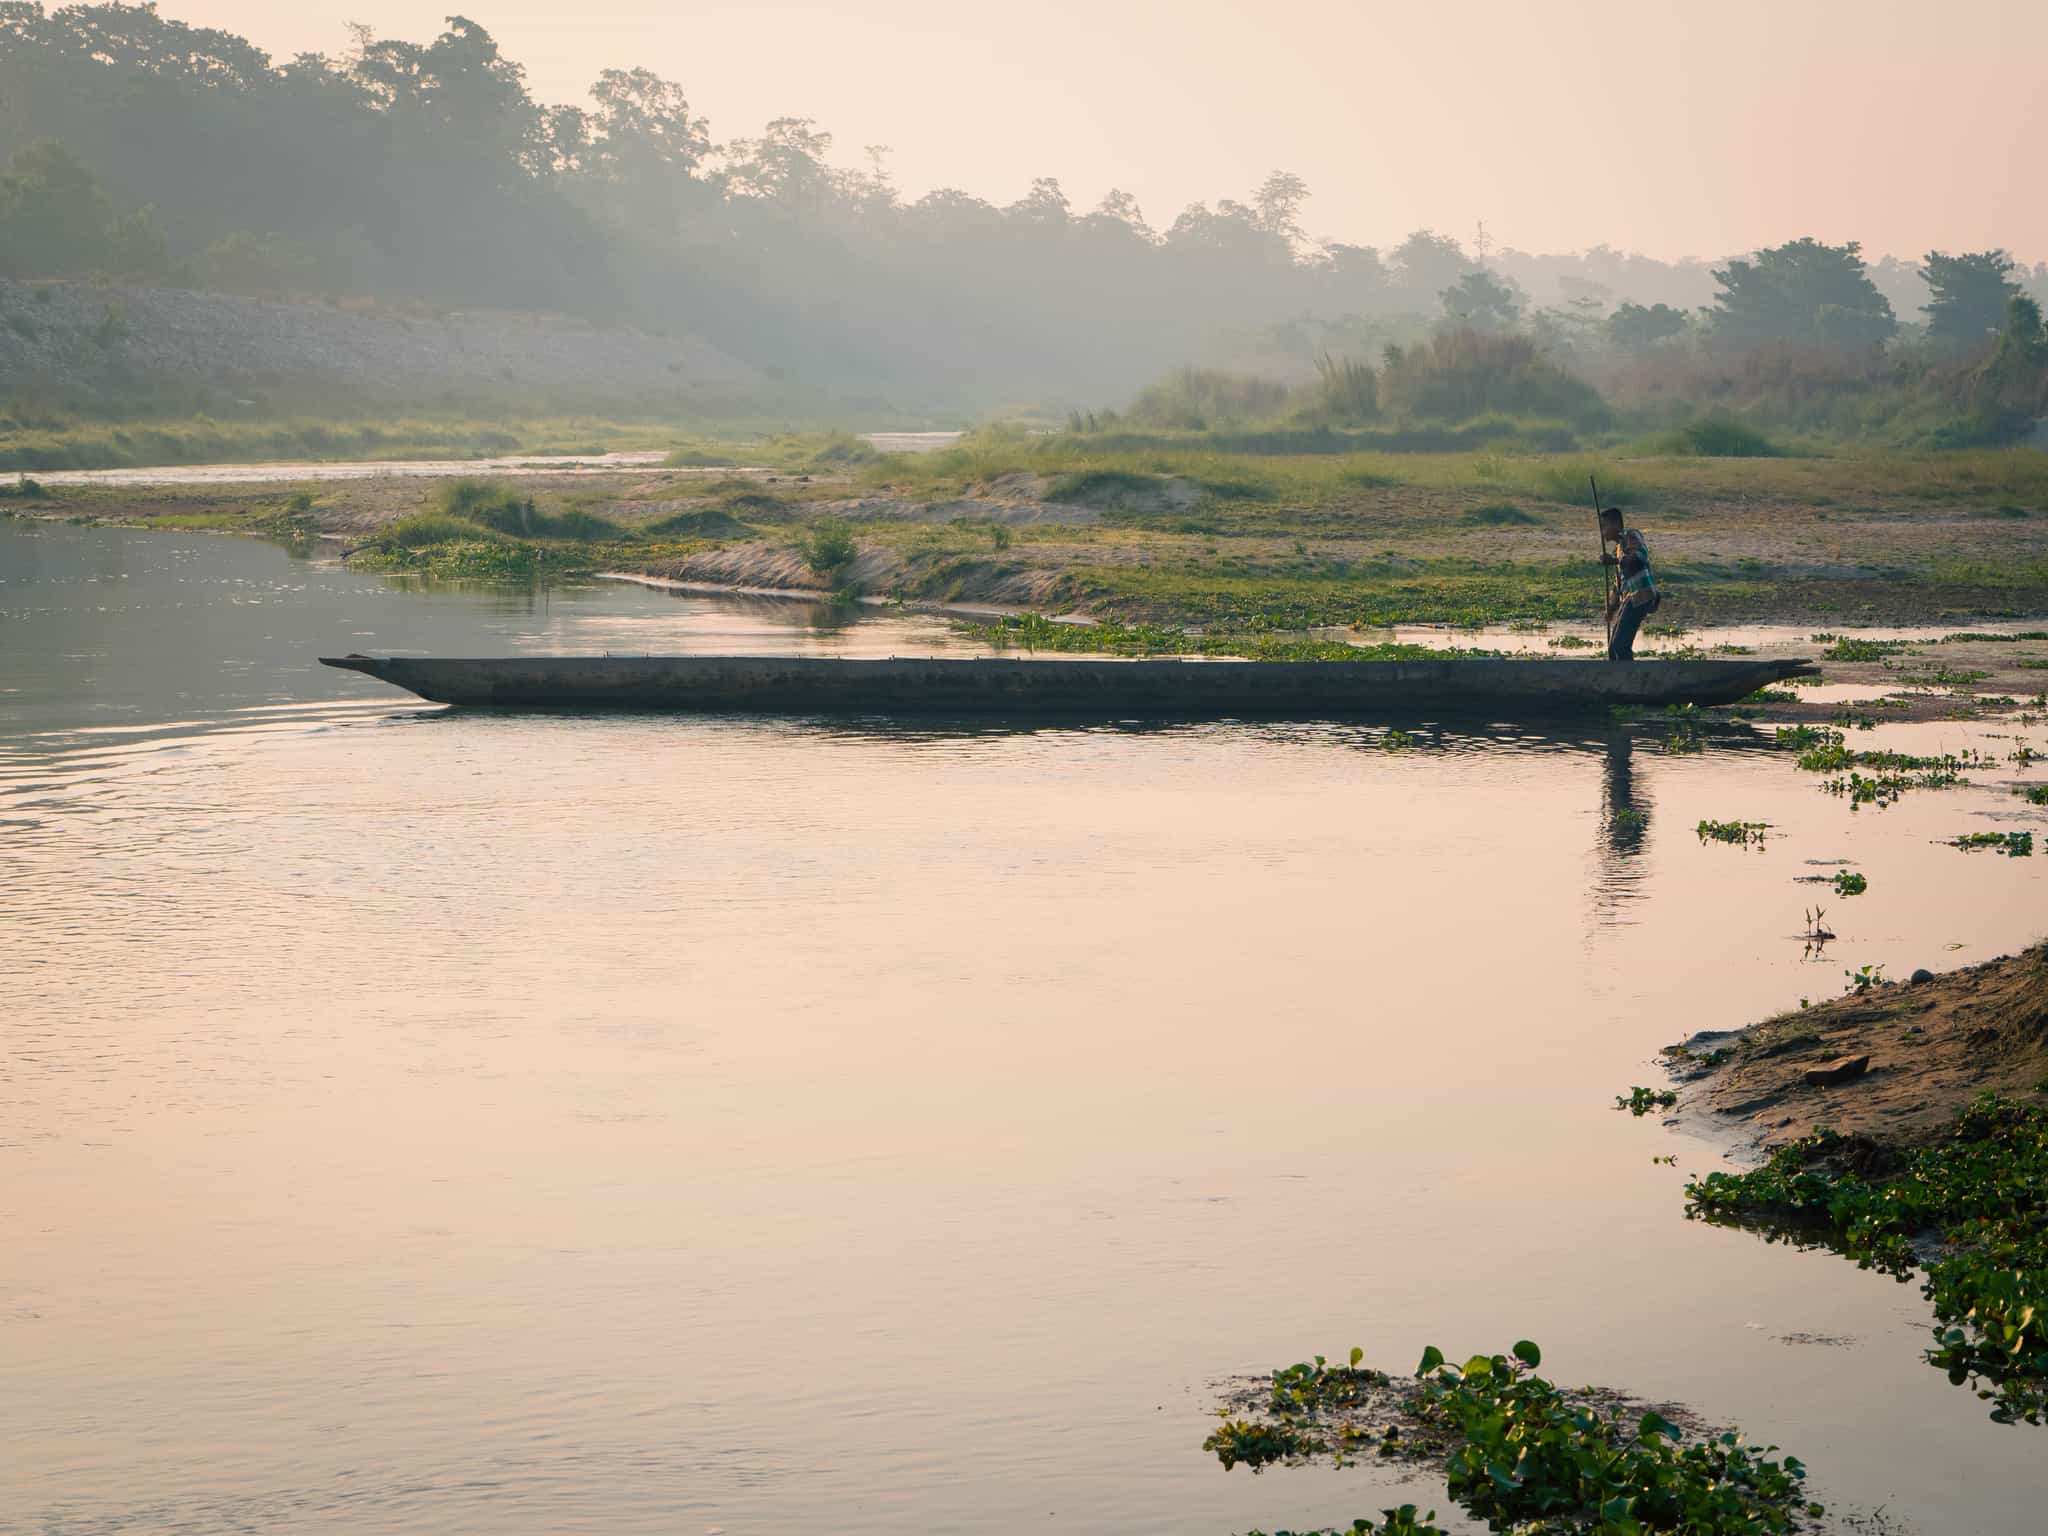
1744, 833
1801, 738
1893, 773
1318, 1386
1849, 882
1534, 1458
1982, 1192
1255, 1444
1943, 677
1858, 981
1035, 632
1846, 648
2016, 845
1522, 1454
1572, 643
2033, 794
1640, 1101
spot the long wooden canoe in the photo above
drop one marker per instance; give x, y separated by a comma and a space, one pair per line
1101, 689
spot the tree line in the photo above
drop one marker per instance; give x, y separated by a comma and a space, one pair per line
140, 147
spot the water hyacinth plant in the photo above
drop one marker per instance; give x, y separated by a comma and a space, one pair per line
1983, 1191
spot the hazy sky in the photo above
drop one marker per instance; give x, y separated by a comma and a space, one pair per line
1696, 129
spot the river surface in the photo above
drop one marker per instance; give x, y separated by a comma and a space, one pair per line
425, 1122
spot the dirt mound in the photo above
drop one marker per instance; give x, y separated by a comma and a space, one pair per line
1933, 1047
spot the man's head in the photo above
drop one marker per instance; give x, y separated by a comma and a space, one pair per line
1610, 524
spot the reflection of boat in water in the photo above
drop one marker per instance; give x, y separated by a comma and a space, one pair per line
1093, 688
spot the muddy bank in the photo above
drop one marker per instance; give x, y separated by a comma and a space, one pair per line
1928, 1049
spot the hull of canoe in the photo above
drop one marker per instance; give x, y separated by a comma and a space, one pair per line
1100, 689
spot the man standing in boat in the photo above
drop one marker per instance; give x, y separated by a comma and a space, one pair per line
1633, 597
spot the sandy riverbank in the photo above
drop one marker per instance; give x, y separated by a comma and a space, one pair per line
1932, 1047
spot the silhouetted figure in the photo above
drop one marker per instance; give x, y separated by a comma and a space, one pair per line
1634, 597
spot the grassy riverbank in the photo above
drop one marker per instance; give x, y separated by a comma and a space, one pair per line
1193, 537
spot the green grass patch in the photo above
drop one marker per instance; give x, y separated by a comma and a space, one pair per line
1718, 437
704, 523
1500, 514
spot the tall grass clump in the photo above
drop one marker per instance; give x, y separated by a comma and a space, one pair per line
503, 510
1195, 399
1349, 391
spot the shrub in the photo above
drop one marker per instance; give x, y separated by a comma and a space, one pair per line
1196, 399
1458, 375
425, 528
828, 548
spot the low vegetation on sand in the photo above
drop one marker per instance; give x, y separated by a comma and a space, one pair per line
1910, 1133
1035, 632
1517, 1451
1182, 534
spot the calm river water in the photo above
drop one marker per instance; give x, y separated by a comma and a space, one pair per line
423, 1122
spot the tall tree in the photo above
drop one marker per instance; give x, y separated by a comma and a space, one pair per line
53, 213
1482, 302
1802, 291
1971, 294
1637, 327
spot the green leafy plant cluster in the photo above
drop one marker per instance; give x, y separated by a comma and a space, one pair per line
1743, 833
1256, 1443
1982, 1193
1533, 1459
828, 549
1848, 648
1849, 882
2015, 845
2033, 794
1640, 1101
1885, 786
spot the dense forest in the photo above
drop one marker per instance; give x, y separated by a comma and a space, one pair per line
141, 149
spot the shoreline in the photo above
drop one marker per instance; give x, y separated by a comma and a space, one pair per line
1930, 1048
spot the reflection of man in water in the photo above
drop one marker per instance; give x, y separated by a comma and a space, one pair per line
1624, 833
1634, 597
